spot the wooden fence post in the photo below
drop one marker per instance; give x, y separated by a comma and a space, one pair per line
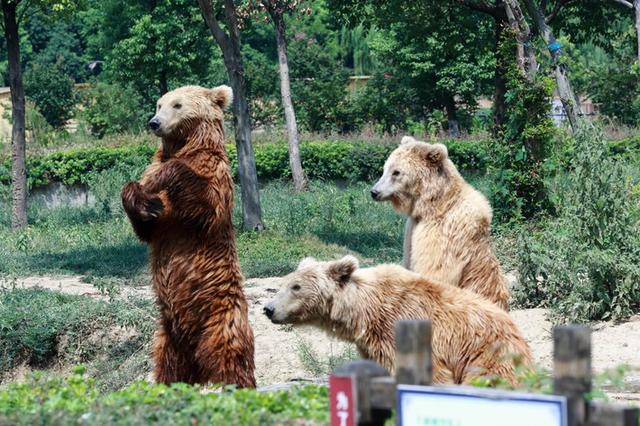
612, 415
363, 371
413, 352
572, 369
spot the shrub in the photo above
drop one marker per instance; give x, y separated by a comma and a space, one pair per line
336, 160
76, 400
585, 265
112, 109
52, 92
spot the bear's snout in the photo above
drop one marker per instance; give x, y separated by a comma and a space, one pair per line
154, 123
268, 311
375, 194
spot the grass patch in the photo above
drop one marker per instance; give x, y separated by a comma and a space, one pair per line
77, 400
43, 329
314, 364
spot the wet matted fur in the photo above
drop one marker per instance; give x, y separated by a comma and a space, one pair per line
472, 337
182, 207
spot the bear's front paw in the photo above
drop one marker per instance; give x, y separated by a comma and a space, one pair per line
138, 204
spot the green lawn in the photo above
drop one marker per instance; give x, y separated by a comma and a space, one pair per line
326, 221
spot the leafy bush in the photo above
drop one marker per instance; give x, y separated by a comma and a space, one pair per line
585, 265
52, 92
519, 152
76, 400
112, 109
339, 160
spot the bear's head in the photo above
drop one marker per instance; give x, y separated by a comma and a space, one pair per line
306, 294
414, 171
181, 110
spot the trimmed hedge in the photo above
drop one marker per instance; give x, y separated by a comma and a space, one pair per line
335, 160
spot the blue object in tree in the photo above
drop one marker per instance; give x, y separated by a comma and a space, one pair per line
554, 47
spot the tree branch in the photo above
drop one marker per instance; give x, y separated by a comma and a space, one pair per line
212, 23
624, 3
481, 7
556, 9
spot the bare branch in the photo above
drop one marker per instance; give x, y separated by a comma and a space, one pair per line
624, 3
210, 19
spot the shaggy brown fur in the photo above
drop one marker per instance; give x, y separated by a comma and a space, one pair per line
447, 238
472, 337
182, 209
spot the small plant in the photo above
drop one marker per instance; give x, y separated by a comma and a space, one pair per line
316, 366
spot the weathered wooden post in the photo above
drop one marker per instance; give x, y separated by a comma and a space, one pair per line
612, 415
363, 371
413, 352
572, 369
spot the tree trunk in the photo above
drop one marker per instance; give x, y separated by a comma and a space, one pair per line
452, 117
499, 108
18, 149
295, 163
567, 97
230, 46
525, 54
162, 80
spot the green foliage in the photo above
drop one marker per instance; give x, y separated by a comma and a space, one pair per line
605, 67
337, 160
76, 400
166, 45
318, 86
112, 109
518, 153
52, 92
41, 328
584, 265
317, 366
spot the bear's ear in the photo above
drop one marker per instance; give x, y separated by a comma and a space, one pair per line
341, 270
221, 96
307, 261
407, 139
436, 153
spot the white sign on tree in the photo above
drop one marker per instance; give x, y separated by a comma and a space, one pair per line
467, 406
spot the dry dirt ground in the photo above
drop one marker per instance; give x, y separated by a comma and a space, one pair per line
279, 348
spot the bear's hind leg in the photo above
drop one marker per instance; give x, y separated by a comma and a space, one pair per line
171, 364
228, 360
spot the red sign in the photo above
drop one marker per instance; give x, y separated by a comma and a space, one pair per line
342, 402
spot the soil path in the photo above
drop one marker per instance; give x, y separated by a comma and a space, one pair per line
280, 350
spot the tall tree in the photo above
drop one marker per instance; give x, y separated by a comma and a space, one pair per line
229, 42
18, 148
165, 43
12, 13
276, 10
565, 90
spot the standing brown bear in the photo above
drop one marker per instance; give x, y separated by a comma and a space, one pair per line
182, 208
